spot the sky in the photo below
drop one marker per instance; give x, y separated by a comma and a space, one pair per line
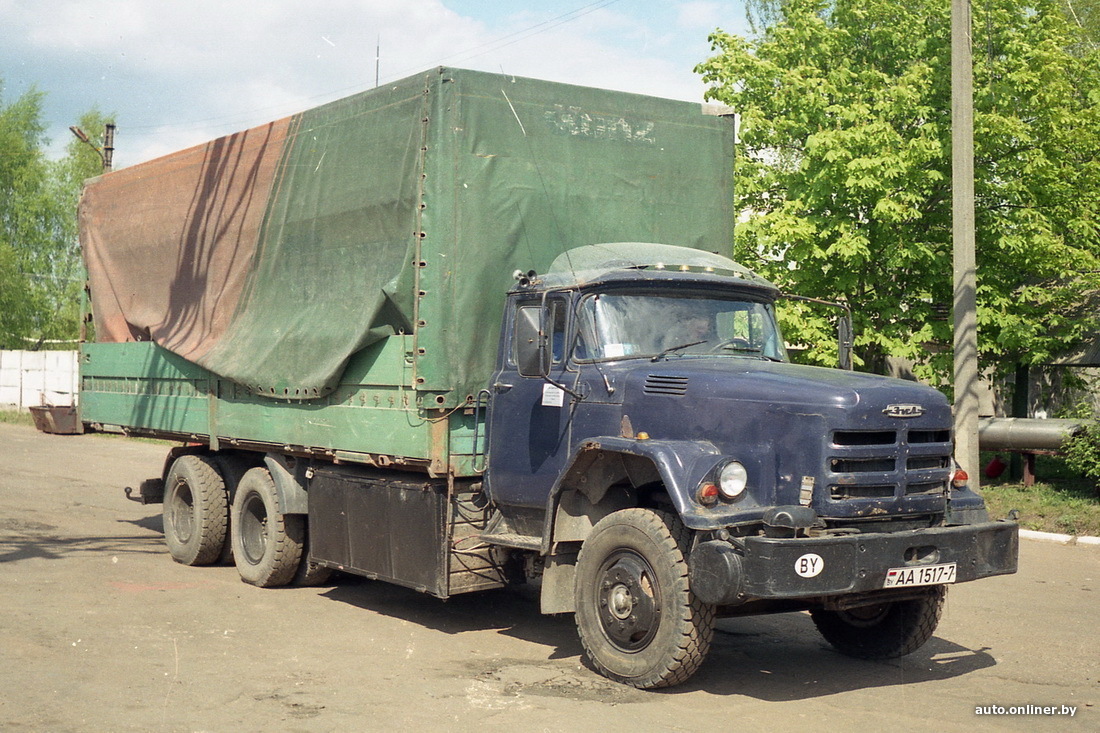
175, 73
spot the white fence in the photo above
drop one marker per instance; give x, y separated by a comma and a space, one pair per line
29, 378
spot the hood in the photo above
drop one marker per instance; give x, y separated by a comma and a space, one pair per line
779, 384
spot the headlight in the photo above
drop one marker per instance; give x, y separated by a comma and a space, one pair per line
732, 480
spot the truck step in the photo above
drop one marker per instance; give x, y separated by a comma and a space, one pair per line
518, 541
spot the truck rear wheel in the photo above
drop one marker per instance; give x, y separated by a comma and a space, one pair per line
639, 622
195, 510
885, 630
267, 544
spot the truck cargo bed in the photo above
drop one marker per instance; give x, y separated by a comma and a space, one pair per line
371, 418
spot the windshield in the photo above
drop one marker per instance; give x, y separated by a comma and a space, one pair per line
614, 326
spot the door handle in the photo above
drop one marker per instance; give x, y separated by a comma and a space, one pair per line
501, 387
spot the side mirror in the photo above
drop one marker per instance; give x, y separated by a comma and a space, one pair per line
844, 332
532, 356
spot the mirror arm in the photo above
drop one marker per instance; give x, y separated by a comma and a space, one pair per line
844, 328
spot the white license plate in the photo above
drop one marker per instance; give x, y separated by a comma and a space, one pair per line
923, 575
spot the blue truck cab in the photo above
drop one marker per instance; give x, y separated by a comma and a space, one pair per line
653, 448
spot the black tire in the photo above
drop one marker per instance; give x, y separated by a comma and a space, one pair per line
232, 468
267, 544
639, 622
195, 510
885, 630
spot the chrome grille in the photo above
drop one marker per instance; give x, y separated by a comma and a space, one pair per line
883, 464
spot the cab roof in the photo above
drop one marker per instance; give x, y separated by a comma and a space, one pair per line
647, 261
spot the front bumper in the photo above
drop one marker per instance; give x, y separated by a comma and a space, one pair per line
793, 568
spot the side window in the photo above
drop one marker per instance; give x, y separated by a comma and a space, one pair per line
556, 326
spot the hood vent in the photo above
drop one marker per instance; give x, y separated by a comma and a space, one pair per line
665, 385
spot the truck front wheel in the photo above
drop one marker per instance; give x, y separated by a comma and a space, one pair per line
639, 622
885, 630
267, 544
195, 510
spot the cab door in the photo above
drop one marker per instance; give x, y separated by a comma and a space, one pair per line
531, 408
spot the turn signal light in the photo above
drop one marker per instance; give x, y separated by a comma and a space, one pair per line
960, 479
708, 495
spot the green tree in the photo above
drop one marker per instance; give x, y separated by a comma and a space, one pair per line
22, 170
1084, 15
844, 172
40, 271
15, 299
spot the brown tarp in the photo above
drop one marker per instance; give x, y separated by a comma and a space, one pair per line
168, 244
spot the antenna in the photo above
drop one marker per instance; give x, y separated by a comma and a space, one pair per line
377, 58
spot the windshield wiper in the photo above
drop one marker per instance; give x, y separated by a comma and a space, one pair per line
670, 349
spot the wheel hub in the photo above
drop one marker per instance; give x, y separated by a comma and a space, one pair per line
253, 530
620, 602
629, 609
180, 513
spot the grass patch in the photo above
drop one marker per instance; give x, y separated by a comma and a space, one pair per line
1061, 500
16, 417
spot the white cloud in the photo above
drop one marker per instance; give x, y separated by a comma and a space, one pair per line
179, 72
702, 15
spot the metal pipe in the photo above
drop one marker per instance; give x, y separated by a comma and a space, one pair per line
1021, 433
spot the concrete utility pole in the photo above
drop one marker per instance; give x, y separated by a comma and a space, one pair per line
108, 147
107, 153
962, 204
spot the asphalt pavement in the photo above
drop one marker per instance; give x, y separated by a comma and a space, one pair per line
101, 631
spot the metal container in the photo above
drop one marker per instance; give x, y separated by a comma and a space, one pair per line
58, 420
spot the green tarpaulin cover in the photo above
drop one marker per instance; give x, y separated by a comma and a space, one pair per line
270, 257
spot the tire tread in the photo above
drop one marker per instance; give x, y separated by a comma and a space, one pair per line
695, 619
211, 505
909, 624
286, 535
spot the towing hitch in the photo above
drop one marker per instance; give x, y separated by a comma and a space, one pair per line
150, 491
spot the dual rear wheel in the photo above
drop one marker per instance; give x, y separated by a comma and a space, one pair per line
211, 506
196, 510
